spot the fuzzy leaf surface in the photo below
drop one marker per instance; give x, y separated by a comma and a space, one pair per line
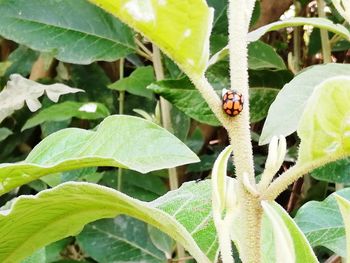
286, 110
328, 230
120, 141
35, 221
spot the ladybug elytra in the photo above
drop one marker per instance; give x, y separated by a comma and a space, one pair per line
232, 103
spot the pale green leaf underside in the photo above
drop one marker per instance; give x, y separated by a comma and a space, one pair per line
296, 21
73, 31
300, 21
287, 238
120, 141
35, 221
328, 230
180, 28
324, 128
344, 207
285, 112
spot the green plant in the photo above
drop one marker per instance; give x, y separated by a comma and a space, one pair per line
203, 217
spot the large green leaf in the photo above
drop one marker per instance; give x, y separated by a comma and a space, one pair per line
122, 239
180, 28
34, 222
66, 110
73, 31
120, 141
322, 223
285, 112
324, 128
183, 95
282, 240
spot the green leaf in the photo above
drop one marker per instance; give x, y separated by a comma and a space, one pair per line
183, 95
37, 257
295, 21
261, 56
180, 29
66, 110
285, 112
162, 241
4, 133
324, 128
289, 244
22, 60
123, 239
20, 90
335, 172
120, 141
322, 223
260, 100
136, 83
34, 222
344, 207
65, 31
300, 21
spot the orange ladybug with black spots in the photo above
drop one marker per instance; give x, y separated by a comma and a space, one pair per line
232, 103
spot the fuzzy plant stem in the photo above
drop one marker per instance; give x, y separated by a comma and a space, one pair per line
239, 15
238, 128
165, 107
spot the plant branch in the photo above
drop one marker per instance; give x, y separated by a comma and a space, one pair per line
165, 108
121, 111
326, 46
293, 174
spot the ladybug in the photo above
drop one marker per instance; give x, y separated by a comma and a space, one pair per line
232, 102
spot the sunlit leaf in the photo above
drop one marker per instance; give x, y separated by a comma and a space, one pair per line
324, 128
180, 28
289, 244
285, 112
120, 141
34, 222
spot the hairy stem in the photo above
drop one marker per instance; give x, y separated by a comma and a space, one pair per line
293, 174
165, 107
239, 131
